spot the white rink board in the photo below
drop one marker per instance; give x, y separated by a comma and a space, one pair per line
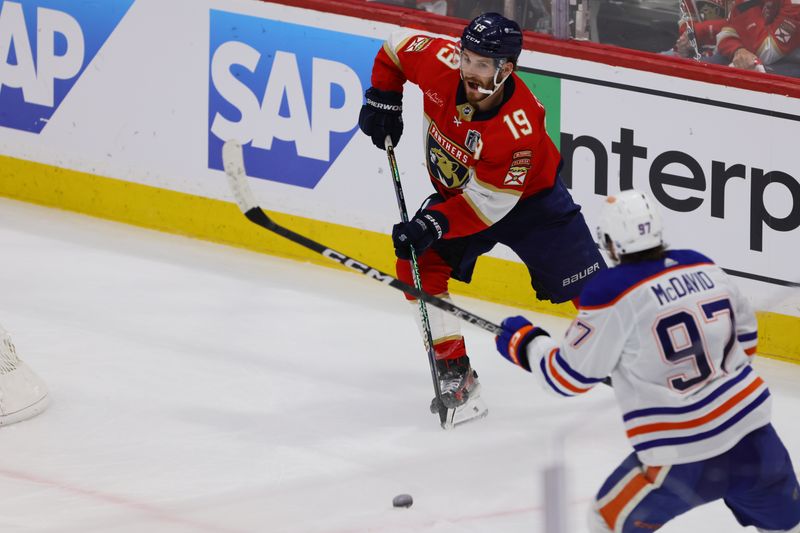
141, 112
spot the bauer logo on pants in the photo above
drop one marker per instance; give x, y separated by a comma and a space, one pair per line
45, 46
290, 94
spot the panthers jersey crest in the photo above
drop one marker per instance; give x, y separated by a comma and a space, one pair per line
447, 161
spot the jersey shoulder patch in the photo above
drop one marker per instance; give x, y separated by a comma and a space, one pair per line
418, 43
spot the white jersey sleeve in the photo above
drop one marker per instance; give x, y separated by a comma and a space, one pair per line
584, 358
676, 338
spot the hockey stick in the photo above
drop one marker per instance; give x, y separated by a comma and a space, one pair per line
237, 179
445, 414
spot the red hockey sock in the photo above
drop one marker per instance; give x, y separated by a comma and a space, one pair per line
450, 349
433, 271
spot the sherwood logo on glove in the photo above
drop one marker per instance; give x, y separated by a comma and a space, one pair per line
386, 107
290, 94
45, 46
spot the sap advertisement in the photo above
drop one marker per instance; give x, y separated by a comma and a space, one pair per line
146, 92
46, 45
290, 93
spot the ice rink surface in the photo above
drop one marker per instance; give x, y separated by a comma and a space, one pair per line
201, 388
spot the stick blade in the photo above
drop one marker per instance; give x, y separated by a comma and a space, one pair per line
233, 161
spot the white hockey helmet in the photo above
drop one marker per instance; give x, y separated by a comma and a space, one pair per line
631, 222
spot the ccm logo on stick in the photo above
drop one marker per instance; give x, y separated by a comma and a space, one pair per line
355, 265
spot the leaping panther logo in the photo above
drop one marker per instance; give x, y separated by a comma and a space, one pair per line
446, 169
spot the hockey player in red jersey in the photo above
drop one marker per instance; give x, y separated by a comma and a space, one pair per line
495, 173
677, 338
705, 18
761, 34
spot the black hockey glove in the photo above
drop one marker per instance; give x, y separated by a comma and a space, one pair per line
420, 232
382, 115
513, 342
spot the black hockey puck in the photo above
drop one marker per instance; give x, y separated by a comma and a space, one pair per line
403, 500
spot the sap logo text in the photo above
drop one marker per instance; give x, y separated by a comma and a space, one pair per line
290, 94
261, 123
44, 46
693, 179
37, 84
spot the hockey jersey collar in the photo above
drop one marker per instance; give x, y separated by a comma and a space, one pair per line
607, 286
509, 86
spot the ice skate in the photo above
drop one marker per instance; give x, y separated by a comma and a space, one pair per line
460, 393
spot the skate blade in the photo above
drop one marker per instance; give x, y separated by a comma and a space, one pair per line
469, 412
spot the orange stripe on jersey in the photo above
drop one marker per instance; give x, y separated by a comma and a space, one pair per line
687, 424
611, 511
642, 282
561, 380
750, 351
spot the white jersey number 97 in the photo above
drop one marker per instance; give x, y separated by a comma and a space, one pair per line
680, 339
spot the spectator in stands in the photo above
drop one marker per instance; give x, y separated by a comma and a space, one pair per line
761, 32
707, 19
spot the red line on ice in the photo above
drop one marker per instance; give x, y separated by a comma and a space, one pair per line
119, 501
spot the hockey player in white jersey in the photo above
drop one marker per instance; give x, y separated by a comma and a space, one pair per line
676, 337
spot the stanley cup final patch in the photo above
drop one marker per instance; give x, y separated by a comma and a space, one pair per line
473, 138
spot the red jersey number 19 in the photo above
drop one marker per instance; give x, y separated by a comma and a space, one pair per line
520, 124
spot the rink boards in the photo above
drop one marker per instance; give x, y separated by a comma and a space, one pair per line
96, 119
